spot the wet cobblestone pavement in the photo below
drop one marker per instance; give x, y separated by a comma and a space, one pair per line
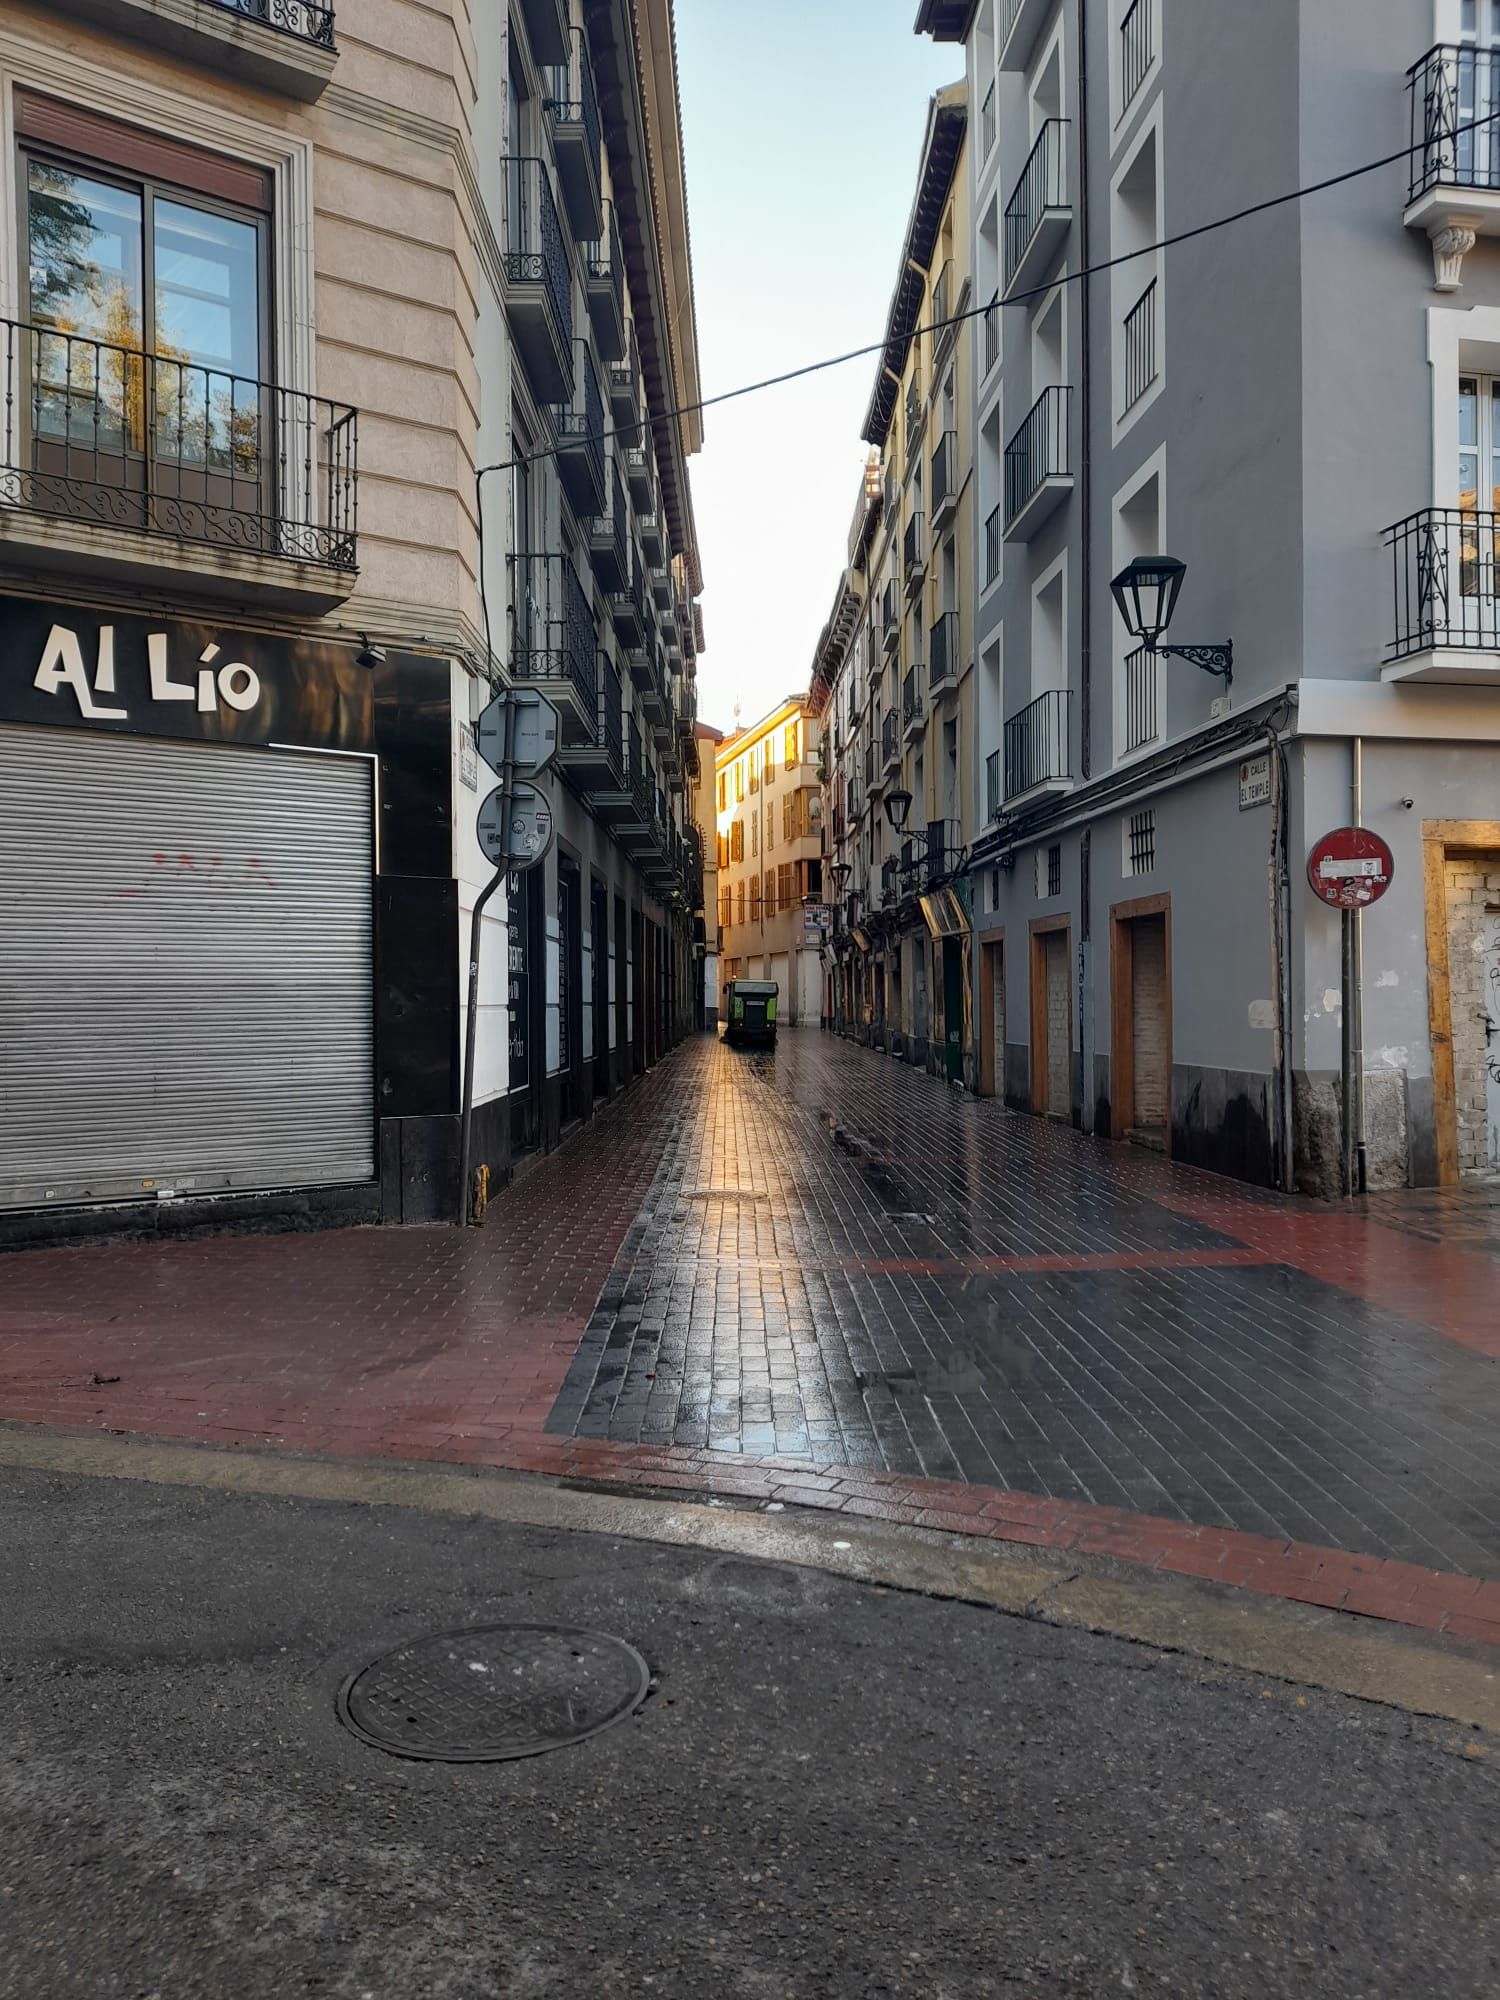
846, 1261
816, 1276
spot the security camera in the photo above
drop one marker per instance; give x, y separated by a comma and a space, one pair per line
368, 655
1408, 803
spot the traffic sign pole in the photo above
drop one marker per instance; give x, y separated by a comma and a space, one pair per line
503, 736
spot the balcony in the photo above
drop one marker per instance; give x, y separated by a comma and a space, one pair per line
625, 395
1038, 215
944, 481
596, 763
992, 545
656, 703
666, 602
1038, 475
913, 417
609, 536
579, 429
992, 792
987, 125
913, 708
546, 29
1142, 699
1037, 759
148, 471
1446, 604
1140, 349
640, 471
281, 45
890, 891
538, 284
890, 745
552, 640
1454, 190
940, 854
890, 618
653, 535
574, 110
872, 768
913, 556
990, 351
604, 287
942, 654
941, 316
1020, 23
627, 607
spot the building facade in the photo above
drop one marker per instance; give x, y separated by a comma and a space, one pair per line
265, 286
770, 858
1150, 958
705, 819
894, 665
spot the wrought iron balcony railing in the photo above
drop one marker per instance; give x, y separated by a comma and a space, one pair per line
1043, 185
103, 433
1142, 681
307, 20
943, 471
1140, 347
1137, 47
1036, 743
992, 794
552, 635
890, 749
1038, 451
604, 258
572, 99
943, 849
942, 651
533, 249
912, 706
992, 546
1453, 94
1444, 573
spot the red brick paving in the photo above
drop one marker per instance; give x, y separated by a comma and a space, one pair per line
431, 1345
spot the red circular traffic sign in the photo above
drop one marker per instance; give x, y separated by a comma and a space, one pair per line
1350, 868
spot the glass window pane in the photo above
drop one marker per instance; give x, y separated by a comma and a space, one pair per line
206, 293
84, 277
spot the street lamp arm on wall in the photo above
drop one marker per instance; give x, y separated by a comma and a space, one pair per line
1215, 659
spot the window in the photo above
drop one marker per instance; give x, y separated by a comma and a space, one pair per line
755, 770
812, 879
789, 816
784, 876
739, 901
770, 826
1140, 842
726, 906
147, 332
1054, 869
790, 745
723, 792
737, 841
723, 850
770, 892
755, 835
755, 899
770, 760
739, 779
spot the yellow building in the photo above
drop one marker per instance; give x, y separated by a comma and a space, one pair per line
772, 914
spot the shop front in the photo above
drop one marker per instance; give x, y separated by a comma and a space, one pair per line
230, 924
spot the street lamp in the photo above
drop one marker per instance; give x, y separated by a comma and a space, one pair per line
839, 870
897, 806
1146, 592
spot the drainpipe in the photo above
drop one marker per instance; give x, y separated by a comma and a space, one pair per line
1085, 412
1357, 983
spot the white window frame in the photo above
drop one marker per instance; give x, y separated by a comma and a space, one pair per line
1155, 467
1128, 282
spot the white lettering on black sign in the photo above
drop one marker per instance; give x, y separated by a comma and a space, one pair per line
232, 685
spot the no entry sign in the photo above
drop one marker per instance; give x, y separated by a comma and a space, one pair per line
1350, 868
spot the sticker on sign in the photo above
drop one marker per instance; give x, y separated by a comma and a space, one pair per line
1350, 868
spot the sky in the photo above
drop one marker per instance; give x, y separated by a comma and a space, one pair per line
802, 126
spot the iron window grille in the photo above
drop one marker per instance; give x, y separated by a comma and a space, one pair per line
1142, 842
1054, 869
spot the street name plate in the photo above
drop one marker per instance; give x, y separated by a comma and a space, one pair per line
1255, 781
534, 727
525, 835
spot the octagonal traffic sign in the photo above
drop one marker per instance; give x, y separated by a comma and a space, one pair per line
523, 835
1350, 868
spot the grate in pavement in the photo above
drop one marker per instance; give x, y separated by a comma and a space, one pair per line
494, 1692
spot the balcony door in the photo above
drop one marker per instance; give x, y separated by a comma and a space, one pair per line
143, 352
1475, 86
1472, 562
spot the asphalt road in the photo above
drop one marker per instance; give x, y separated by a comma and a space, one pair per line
832, 1790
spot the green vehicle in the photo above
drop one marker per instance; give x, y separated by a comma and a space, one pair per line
750, 1011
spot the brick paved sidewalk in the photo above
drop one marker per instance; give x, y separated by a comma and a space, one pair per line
819, 1277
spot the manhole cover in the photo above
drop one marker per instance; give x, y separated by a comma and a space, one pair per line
495, 1692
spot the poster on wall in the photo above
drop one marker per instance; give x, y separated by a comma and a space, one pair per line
519, 991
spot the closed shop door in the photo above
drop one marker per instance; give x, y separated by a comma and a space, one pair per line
1058, 1024
185, 978
1148, 1013
1472, 884
992, 1021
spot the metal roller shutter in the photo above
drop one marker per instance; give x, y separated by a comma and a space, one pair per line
185, 968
